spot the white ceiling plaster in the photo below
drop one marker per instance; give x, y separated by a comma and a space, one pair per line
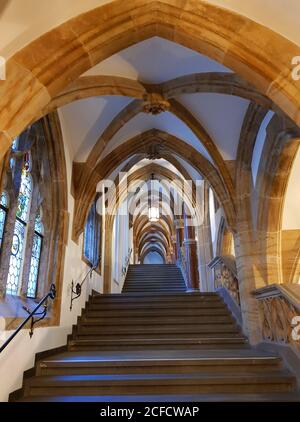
221, 115
85, 120
165, 121
156, 60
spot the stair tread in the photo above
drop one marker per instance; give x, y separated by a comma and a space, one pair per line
173, 340
238, 378
150, 320
168, 354
215, 397
212, 357
186, 294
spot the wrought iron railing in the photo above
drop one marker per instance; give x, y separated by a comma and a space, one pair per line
32, 316
126, 263
279, 306
75, 294
225, 275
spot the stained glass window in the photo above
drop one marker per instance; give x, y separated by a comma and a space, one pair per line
25, 191
3, 214
14, 148
92, 236
17, 249
35, 256
15, 144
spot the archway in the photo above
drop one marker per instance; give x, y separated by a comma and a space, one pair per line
38, 72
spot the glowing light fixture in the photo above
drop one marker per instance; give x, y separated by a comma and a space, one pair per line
153, 214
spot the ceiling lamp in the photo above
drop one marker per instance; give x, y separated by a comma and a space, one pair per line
153, 214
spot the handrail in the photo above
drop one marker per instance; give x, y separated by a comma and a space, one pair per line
127, 262
51, 294
291, 292
78, 287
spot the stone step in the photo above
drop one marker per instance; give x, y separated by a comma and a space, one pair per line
154, 320
268, 381
155, 299
159, 329
155, 312
159, 295
159, 362
121, 343
154, 289
172, 398
156, 305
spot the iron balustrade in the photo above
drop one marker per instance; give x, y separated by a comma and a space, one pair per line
127, 262
41, 315
75, 294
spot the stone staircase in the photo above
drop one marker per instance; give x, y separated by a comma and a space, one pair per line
154, 278
155, 342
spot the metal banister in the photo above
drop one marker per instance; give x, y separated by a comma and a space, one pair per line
75, 294
51, 294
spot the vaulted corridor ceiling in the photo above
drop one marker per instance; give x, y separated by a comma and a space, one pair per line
189, 111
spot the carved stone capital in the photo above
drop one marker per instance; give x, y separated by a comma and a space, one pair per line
155, 104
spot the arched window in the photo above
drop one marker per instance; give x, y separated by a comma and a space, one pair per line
3, 214
19, 234
33, 217
92, 237
35, 255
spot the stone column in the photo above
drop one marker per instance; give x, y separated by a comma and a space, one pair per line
205, 247
174, 254
191, 258
179, 225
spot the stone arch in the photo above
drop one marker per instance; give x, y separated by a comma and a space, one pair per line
217, 82
47, 65
178, 110
152, 249
51, 196
224, 240
141, 144
278, 155
140, 220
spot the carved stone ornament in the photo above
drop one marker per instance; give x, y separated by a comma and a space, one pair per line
155, 104
225, 278
277, 314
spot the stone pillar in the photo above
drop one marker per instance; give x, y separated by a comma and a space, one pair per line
169, 259
191, 258
205, 247
174, 254
179, 225
107, 254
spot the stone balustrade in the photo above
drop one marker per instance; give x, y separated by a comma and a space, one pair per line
225, 275
279, 306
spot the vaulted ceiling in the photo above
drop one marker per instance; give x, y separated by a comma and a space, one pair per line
152, 62
102, 113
